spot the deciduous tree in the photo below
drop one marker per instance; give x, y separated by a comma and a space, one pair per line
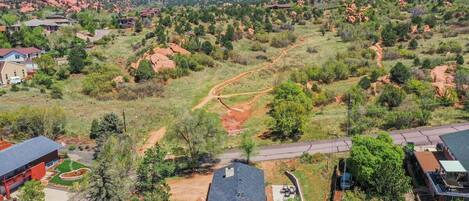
32, 191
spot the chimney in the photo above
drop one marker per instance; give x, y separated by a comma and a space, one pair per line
229, 172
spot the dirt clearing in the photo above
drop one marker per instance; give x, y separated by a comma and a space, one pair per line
155, 137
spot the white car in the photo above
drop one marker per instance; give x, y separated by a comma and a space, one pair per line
15, 80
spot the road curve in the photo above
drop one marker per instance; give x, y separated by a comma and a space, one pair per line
420, 136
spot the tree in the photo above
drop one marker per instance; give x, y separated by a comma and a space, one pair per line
4, 42
94, 130
144, 71
46, 63
248, 146
87, 20
390, 183
109, 124
389, 35
103, 185
391, 96
289, 109
199, 133
76, 59
9, 18
377, 163
138, 26
32, 191
207, 47
399, 73
459, 59
153, 171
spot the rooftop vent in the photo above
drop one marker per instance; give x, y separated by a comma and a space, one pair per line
229, 172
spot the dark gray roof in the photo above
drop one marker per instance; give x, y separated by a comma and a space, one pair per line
246, 184
23, 153
458, 144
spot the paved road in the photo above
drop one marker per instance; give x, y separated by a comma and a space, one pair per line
420, 136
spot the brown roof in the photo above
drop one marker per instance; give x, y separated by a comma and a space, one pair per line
27, 50
427, 161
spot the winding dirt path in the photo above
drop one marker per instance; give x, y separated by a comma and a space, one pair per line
217, 89
155, 137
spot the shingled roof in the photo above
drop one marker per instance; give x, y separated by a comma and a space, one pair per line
458, 145
24, 50
237, 182
24, 153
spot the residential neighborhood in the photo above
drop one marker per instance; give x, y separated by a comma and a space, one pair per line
234, 100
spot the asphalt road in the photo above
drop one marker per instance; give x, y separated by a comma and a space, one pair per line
420, 136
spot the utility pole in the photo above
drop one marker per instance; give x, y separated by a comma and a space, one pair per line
123, 118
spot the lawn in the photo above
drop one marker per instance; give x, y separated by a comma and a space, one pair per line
66, 166
314, 178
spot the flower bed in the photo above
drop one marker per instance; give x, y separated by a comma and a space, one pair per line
74, 175
67, 166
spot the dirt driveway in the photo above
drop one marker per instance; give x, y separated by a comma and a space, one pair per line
193, 188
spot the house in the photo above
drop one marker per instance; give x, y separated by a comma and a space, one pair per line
126, 22
12, 72
25, 161
237, 182
19, 54
50, 24
23, 55
149, 12
278, 6
445, 170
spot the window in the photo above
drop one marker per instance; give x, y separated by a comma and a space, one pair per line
24, 75
14, 73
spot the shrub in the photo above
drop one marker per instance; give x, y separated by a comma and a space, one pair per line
418, 87
399, 73
427, 63
56, 92
262, 37
375, 74
144, 71
2, 92
413, 44
389, 35
100, 81
365, 82
391, 96
43, 79
204, 60
14, 88
283, 39
62, 74
406, 119
459, 59
311, 50
450, 97
257, 47
356, 96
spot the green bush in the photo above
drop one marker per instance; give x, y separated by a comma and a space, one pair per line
256, 46
459, 59
400, 74
14, 88
43, 79
56, 92
413, 44
100, 82
365, 82
2, 92
144, 71
283, 39
450, 97
418, 87
406, 119
391, 96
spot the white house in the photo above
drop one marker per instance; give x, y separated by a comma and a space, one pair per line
23, 55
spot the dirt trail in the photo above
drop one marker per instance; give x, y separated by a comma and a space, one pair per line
217, 89
155, 136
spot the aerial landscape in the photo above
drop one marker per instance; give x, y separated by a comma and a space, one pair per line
234, 100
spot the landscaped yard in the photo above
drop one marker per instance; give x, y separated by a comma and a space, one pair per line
66, 166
